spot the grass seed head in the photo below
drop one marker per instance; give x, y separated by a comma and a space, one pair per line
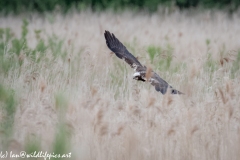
194, 130
42, 86
222, 96
103, 130
170, 132
151, 101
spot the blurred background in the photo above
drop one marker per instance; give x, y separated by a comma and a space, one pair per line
63, 91
17, 6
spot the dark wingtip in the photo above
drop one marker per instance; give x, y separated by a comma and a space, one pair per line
174, 91
113, 36
107, 36
180, 93
106, 33
111, 40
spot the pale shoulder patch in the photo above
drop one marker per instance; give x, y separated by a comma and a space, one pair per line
136, 74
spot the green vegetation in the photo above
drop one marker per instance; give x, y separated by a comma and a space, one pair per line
62, 135
120, 68
32, 144
162, 57
236, 66
15, 51
210, 64
16, 46
19, 50
8, 109
61, 144
69, 95
17, 6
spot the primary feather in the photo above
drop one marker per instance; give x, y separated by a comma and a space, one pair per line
120, 50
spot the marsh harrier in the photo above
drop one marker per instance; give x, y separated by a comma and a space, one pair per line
142, 73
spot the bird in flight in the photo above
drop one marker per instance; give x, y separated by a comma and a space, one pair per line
142, 73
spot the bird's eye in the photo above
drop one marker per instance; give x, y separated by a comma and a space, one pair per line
173, 91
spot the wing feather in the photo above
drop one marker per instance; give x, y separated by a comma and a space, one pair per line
161, 85
120, 50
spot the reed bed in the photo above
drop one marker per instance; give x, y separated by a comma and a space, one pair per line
72, 94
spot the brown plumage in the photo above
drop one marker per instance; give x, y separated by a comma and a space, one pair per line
141, 72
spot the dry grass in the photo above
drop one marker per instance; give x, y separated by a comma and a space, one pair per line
111, 116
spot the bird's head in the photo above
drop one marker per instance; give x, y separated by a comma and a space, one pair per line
137, 76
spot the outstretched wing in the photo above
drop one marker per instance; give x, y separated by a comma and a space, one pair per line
161, 85
120, 50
